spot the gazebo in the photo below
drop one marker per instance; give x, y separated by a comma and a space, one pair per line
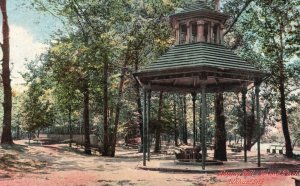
198, 63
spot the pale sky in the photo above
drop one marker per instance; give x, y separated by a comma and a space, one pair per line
30, 32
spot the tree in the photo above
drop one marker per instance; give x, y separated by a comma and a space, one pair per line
158, 128
270, 29
236, 9
7, 105
37, 110
220, 132
68, 63
183, 119
113, 37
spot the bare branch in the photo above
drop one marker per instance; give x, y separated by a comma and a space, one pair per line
44, 7
78, 19
237, 17
84, 16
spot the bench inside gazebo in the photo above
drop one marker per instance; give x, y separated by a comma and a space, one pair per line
198, 63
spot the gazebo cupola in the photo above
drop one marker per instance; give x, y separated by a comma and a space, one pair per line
197, 22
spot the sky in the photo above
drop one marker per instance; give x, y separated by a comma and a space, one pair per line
30, 31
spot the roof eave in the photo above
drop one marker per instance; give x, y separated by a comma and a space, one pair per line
256, 74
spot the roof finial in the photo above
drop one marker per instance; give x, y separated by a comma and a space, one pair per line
217, 5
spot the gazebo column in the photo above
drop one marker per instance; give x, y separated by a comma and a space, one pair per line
188, 32
177, 34
148, 121
257, 89
194, 118
210, 32
200, 34
203, 123
244, 92
144, 126
221, 34
218, 40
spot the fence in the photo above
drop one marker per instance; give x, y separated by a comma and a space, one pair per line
77, 138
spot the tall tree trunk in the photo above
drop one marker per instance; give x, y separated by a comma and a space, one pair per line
86, 119
183, 122
284, 119
70, 126
18, 130
288, 144
138, 102
105, 151
185, 134
118, 107
180, 119
7, 105
251, 124
220, 133
175, 123
158, 127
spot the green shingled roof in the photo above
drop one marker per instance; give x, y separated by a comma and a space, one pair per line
200, 54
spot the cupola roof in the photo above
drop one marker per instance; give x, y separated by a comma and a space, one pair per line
199, 8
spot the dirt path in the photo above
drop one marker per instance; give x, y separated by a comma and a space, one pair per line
59, 165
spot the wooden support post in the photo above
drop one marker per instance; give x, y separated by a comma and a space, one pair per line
144, 126
257, 86
194, 118
244, 92
203, 119
148, 121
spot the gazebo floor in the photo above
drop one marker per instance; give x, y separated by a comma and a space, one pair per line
235, 163
198, 162
172, 166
